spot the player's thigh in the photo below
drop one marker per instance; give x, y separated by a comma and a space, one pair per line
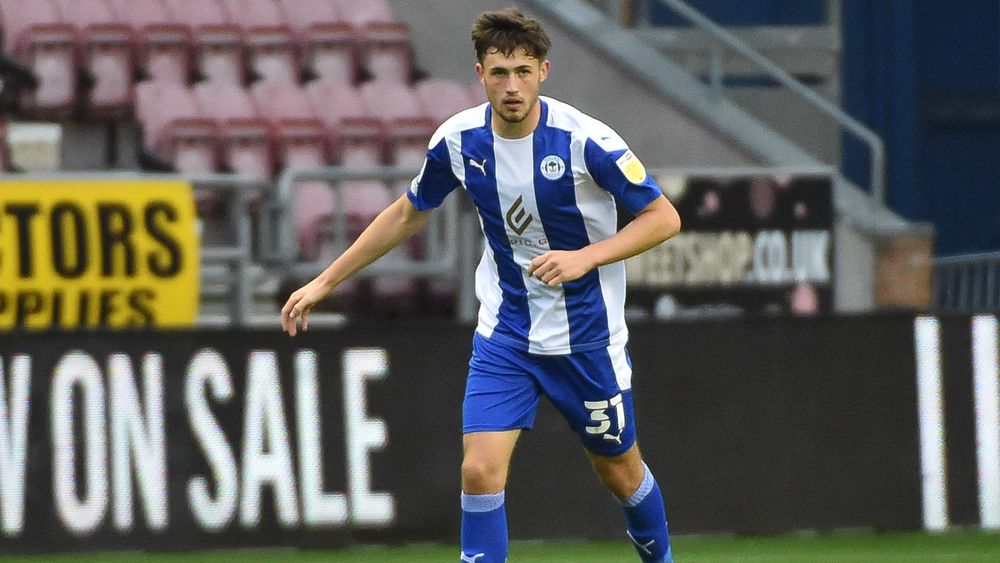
500, 392
593, 392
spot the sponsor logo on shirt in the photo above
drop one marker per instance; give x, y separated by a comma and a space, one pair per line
517, 218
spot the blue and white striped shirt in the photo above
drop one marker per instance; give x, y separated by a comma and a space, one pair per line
551, 190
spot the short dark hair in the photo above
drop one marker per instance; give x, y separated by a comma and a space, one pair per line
507, 30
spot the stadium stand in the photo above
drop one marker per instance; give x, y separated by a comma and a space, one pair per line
162, 46
441, 98
268, 39
104, 43
218, 45
35, 34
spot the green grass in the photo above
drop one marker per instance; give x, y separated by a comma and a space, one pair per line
958, 547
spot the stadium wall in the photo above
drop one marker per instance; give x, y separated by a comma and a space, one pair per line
185, 440
660, 133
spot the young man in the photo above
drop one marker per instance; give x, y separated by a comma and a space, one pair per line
551, 282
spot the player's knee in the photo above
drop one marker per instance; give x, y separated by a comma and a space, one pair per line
482, 476
621, 476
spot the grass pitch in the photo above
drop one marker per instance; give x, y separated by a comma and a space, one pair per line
957, 547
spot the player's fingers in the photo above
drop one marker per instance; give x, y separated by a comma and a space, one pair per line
305, 318
537, 262
543, 268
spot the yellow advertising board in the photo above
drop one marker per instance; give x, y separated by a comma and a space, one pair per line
97, 253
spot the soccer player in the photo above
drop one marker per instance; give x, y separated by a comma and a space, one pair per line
551, 283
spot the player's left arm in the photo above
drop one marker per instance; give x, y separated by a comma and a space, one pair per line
653, 224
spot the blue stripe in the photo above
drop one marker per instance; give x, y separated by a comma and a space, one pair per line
565, 229
602, 166
514, 320
437, 180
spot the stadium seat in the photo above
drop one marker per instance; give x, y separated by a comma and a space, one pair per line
35, 33
268, 38
162, 45
288, 108
477, 93
389, 100
218, 41
385, 51
334, 101
359, 14
176, 127
327, 41
442, 98
105, 44
246, 139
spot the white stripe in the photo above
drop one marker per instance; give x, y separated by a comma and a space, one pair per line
930, 412
986, 388
515, 175
619, 361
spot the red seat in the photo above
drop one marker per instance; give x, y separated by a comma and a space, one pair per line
163, 45
385, 51
269, 40
246, 139
37, 36
218, 41
105, 44
441, 98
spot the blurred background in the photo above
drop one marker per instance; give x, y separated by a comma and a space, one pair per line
817, 350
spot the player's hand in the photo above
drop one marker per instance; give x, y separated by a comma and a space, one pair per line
300, 302
560, 266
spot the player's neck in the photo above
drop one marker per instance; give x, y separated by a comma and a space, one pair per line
520, 129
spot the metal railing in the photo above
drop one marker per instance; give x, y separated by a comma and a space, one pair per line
444, 253
967, 283
723, 38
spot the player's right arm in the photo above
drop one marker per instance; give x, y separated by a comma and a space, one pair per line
392, 226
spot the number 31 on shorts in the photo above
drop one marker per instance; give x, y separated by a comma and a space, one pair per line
599, 414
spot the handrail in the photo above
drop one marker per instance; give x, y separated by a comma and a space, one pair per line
869, 137
278, 229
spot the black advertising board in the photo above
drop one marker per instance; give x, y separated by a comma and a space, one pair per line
749, 244
190, 440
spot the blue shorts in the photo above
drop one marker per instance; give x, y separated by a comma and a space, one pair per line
591, 389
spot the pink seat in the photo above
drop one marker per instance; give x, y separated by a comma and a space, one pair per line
288, 108
334, 101
247, 140
37, 36
163, 45
305, 14
391, 100
385, 51
328, 42
359, 14
477, 93
106, 50
218, 41
176, 127
269, 40
441, 98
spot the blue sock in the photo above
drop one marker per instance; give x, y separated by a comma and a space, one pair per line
484, 528
646, 521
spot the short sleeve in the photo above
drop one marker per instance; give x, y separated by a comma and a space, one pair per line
618, 170
435, 180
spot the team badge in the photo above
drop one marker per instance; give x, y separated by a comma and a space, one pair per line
553, 167
631, 167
